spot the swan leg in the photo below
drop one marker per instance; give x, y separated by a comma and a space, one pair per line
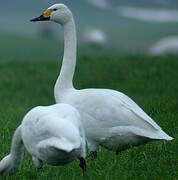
38, 163
83, 165
93, 154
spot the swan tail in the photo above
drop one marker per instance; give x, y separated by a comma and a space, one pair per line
131, 131
159, 135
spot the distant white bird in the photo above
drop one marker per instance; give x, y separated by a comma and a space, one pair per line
147, 14
160, 11
95, 37
100, 3
110, 118
167, 45
51, 134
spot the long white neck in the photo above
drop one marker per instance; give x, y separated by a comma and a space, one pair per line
17, 147
11, 163
65, 79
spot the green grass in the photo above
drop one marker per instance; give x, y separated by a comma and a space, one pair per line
150, 82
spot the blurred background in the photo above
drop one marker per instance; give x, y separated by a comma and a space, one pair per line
104, 27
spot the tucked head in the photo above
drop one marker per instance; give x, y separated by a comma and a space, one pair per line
58, 13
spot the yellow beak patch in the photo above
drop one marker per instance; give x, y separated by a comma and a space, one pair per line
47, 13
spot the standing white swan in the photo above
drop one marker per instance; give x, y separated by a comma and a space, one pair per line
110, 118
52, 134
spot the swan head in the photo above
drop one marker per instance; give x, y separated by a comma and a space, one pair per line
59, 13
7, 166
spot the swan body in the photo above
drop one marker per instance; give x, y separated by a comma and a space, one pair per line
51, 134
149, 14
110, 118
95, 37
167, 45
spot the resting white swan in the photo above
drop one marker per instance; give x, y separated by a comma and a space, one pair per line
110, 118
52, 134
167, 45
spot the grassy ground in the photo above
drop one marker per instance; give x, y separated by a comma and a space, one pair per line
151, 82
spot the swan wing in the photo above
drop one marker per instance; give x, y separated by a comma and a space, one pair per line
134, 108
108, 108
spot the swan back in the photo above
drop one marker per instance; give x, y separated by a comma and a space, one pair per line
54, 134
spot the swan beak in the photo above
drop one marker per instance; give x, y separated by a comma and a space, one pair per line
44, 17
40, 18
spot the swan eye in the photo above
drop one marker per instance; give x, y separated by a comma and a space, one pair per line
54, 9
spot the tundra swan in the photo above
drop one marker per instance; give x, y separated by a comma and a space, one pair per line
52, 134
95, 37
110, 118
167, 45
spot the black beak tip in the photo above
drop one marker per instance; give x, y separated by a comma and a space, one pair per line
35, 19
32, 20
40, 18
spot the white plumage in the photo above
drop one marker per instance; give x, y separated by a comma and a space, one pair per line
167, 45
51, 134
95, 37
149, 15
110, 118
